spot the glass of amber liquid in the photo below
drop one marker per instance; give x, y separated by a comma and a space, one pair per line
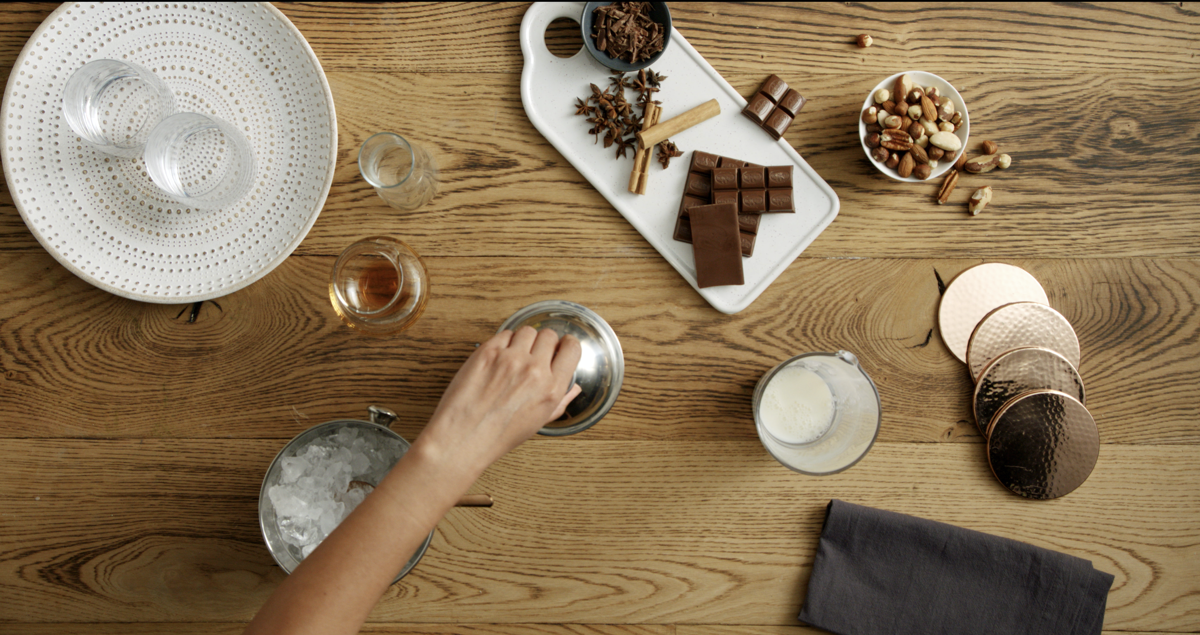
379, 286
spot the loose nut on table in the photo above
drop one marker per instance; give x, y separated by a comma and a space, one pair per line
882, 95
897, 140
947, 187
989, 147
1004, 161
893, 161
872, 140
881, 154
918, 153
864, 41
870, 115
979, 200
946, 140
923, 171
982, 164
907, 163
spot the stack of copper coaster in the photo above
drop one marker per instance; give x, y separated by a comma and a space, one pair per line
1029, 398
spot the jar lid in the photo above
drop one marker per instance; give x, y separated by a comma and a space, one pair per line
1043, 445
601, 366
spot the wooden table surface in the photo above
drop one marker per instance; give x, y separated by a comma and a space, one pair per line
133, 441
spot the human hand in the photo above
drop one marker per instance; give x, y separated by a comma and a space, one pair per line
511, 386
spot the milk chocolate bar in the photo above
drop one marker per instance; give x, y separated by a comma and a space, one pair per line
774, 106
717, 243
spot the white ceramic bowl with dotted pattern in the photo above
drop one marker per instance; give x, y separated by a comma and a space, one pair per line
101, 216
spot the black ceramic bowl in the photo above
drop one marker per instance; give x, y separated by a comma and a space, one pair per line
658, 12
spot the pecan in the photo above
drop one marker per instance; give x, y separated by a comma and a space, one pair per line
897, 140
947, 187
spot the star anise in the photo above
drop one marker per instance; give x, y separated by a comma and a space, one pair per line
581, 108
666, 152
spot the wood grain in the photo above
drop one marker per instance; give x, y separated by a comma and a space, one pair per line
154, 628
274, 359
1115, 179
684, 531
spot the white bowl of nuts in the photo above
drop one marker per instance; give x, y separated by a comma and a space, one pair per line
919, 136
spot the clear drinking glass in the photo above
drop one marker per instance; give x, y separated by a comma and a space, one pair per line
402, 173
114, 105
200, 161
817, 413
379, 286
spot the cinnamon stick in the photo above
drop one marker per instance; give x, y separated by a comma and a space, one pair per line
675, 125
641, 158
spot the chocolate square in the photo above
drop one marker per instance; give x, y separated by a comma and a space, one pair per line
792, 102
747, 243
683, 229
699, 185
703, 161
773, 88
748, 223
718, 245
780, 201
722, 197
689, 202
724, 179
779, 176
754, 201
777, 123
726, 162
752, 178
758, 108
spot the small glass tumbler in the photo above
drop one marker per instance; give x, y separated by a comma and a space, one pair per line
114, 105
200, 161
379, 286
402, 173
817, 413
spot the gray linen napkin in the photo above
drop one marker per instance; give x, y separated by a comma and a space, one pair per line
881, 573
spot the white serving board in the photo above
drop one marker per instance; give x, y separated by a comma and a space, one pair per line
549, 88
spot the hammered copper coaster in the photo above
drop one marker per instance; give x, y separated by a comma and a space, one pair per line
1019, 325
977, 292
1043, 445
1021, 371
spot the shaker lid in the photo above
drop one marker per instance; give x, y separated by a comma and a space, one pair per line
601, 366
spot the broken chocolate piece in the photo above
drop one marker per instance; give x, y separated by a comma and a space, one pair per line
773, 88
758, 108
717, 245
777, 123
792, 102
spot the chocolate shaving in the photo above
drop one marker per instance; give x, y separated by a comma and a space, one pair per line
625, 31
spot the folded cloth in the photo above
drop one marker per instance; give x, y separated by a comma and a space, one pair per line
883, 573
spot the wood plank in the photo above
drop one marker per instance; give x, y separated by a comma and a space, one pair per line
177, 628
1088, 181
708, 629
466, 37
701, 532
79, 362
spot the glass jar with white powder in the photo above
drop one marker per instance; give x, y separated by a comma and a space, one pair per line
817, 413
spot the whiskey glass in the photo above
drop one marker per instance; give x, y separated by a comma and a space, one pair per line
402, 173
379, 286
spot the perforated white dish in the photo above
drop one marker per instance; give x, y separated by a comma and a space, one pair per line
101, 216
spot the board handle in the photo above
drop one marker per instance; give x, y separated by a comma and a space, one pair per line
533, 27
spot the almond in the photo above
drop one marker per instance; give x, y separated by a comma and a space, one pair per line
919, 155
928, 109
907, 163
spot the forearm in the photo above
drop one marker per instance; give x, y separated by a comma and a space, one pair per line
335, 587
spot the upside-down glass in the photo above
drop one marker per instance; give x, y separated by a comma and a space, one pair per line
402, 173
200, 161
113, 106
379, 286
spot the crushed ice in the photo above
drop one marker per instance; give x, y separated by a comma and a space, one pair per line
314, 495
